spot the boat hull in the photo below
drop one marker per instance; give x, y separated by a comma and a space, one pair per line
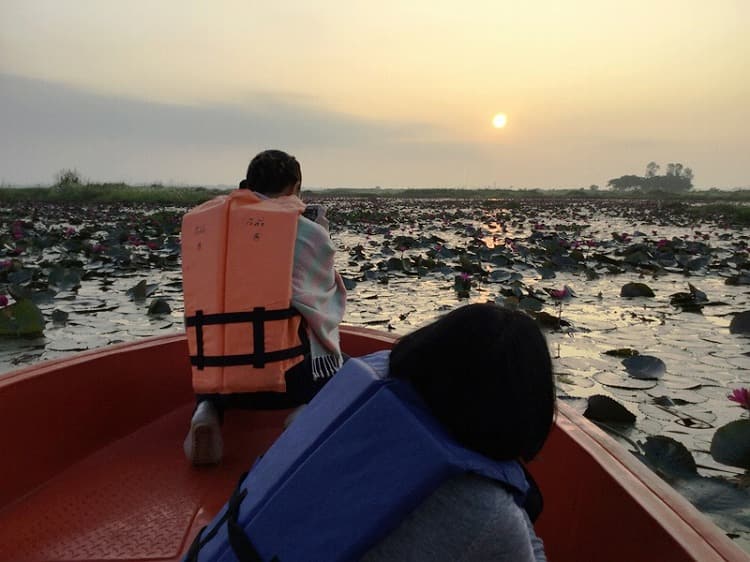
94, 468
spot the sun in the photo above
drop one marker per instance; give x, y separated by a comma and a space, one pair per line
499, 121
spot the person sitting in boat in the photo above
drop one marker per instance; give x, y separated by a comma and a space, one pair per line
413, 454
485, 373
263, 300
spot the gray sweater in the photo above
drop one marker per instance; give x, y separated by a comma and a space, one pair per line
469, 518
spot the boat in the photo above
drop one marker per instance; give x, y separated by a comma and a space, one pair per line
93, 469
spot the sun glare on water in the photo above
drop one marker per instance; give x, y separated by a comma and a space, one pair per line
499, 121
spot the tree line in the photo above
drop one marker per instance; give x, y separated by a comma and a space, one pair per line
676, 179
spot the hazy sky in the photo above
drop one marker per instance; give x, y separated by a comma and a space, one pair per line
396, 93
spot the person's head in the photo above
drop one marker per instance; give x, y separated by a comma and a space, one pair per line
485, 373
273, 173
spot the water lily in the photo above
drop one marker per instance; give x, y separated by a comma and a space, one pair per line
462, 284
560, 294
741, 396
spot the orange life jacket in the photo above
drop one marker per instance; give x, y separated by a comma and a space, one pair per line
237, 260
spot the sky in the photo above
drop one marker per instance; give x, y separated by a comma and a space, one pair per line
394, 93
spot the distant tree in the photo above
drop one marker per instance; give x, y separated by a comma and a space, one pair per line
677, 179
67, 177
593, 187
624, 183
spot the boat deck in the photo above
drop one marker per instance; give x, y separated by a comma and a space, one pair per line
135, 499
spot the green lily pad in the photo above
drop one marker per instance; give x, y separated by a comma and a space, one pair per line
59, 317
22, 318
21, 277
530, 304
349, 283
622, 352
731, 444
644, 366
500, 275
395, 264
159, 306
65, 279
740, 323
668, 457
142, 290
605, 409
630, 290
616, 380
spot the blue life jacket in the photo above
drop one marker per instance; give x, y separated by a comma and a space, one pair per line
357, 460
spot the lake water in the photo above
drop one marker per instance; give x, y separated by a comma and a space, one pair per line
401, 259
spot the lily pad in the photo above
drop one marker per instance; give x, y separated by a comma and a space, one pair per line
349, 283
618, 381
731, 444
605, 409
630, 290
22, 318
740, 323
500, 275
644, 366
142, 290
159, 306
622, 352
530, 304
65, 279
59, 317
668, 457
21, 277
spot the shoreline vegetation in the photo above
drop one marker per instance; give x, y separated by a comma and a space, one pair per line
732, 206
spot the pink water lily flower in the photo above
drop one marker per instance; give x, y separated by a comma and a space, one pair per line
564, 293
741, 396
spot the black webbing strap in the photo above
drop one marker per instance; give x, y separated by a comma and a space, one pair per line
240, 317
257, 317
199, 338
202, 539
259, 339
246, 359
241, 544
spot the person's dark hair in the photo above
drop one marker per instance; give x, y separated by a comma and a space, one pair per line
271, 172
485, 373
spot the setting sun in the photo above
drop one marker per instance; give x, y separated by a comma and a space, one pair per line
499, 121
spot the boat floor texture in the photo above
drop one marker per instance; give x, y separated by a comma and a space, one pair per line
136, 499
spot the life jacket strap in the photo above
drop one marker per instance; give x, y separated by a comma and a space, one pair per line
246, 359
242, 546
259, 313
239, 541
257, 317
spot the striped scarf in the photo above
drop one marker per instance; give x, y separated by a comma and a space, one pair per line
318, 292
